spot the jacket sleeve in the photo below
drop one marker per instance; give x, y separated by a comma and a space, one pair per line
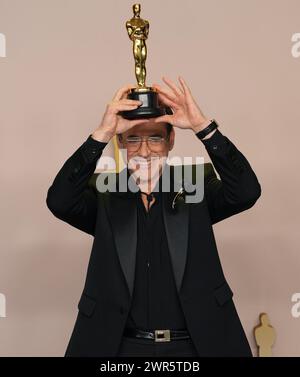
70, 198
237, 189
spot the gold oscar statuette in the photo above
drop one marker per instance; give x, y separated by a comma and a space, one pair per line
138, 29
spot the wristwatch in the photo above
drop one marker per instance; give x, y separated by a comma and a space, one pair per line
212, 126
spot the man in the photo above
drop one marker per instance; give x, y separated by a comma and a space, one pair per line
154, 285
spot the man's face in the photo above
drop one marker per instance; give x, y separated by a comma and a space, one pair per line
146, 160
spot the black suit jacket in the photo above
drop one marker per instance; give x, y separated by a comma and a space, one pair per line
111, 218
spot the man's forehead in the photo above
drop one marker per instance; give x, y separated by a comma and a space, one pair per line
148, 128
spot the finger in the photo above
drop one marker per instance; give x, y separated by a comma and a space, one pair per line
171, 85
166, 92
121, 107
164, 118
118, 103
166, 101
122, 91
126, 93
129, 101
185, 88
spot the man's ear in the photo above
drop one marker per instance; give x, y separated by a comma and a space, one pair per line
118, 137
171, 139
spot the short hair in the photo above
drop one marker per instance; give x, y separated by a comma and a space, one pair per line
169, 128
169, 125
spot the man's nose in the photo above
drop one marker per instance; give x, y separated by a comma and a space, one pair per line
144, 151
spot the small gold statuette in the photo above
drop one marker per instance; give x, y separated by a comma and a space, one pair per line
138, 30
265, 336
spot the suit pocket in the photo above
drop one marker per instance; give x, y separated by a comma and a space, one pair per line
223, 293
86, 305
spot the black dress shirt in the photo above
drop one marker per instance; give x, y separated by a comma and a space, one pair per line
155, 303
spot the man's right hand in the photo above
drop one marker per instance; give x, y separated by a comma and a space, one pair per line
112, 123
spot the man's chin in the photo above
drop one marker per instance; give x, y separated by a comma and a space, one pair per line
146, 178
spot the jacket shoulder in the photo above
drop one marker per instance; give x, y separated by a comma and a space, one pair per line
208, 171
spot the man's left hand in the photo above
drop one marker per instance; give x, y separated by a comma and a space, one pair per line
186, 112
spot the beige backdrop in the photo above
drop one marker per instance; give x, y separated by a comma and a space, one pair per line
65, 60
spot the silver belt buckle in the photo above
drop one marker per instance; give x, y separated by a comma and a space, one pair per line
162, 335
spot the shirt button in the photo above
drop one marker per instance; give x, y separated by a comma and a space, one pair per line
214, 147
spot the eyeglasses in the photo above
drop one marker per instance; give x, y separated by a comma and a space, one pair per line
133, 143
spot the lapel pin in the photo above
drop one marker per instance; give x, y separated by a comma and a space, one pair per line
179, 195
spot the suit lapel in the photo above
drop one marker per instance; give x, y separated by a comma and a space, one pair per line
122, 210
176, 226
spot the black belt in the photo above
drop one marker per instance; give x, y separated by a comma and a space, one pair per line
157, 335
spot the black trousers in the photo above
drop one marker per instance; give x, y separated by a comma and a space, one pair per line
136, 347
